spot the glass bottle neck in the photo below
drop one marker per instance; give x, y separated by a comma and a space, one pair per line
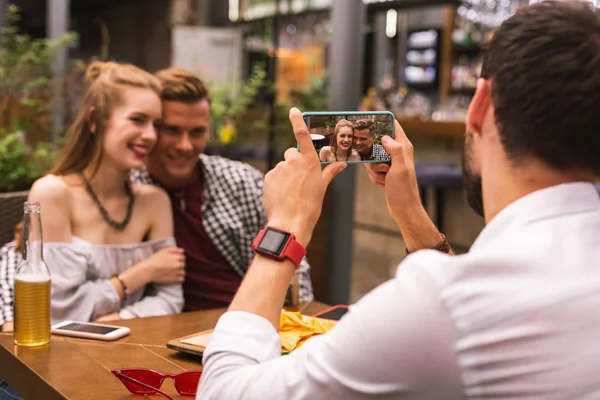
32, 246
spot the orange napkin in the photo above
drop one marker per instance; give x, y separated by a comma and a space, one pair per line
295, 329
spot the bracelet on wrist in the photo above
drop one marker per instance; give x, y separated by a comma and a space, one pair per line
443, 246
123, 287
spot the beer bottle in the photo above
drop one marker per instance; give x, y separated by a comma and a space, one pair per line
32, 284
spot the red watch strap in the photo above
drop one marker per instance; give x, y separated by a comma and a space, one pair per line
295, 251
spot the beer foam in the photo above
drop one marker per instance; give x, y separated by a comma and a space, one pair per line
32, 277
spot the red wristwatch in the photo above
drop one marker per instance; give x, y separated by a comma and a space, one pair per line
279, 245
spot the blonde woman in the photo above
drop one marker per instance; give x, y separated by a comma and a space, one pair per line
341, 147
109, 245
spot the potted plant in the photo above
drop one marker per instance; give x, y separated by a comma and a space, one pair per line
25, 84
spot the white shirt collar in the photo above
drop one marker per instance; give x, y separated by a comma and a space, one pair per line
545, 203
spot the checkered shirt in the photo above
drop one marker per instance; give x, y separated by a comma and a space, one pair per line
379, 153
233, 213
9, 260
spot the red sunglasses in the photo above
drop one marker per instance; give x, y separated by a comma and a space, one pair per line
147, 381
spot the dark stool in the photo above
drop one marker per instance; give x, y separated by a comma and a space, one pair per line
439, 177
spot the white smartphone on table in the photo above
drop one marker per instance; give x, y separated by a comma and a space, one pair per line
90, 330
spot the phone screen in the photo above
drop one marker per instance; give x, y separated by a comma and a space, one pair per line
352, 137
336, 314
78, 327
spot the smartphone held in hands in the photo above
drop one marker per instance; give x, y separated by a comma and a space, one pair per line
350, 136
90, 330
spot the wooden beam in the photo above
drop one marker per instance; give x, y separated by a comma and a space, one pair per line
446, 53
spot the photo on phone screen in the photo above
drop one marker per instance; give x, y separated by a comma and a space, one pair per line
350, 136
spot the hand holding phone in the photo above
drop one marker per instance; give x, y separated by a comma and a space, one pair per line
90, 330
350, 136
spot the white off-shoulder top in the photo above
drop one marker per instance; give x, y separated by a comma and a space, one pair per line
81, 287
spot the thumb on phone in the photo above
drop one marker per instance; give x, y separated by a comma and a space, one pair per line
330, 171
393, 148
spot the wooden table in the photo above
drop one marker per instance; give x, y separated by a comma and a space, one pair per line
80, 369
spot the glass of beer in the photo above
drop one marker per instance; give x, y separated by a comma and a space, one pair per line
32, 284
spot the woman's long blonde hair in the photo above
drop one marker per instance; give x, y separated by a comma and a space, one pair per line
106, 83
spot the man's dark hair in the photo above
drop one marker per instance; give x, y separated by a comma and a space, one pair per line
365, 124
544, 67
181, 85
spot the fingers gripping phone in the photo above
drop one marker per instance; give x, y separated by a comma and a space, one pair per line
89, 330
350, 136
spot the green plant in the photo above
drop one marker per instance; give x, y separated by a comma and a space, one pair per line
25, 100
25, 71
314, 98
384, 124
228, 111
21, 164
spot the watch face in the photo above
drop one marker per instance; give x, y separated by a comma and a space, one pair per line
273, 241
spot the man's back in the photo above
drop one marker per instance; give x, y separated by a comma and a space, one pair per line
515, 318
524, 301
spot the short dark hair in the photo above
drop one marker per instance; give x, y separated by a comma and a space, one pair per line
181, 85
365, 124
544, 68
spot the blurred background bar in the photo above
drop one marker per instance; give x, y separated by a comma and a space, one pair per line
58, 16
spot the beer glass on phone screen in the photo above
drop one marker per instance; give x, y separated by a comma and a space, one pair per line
350, 136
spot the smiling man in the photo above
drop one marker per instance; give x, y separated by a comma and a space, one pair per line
217, 203
364, 141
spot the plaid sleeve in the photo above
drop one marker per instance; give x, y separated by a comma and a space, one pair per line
9, 259
379, 153
137, 176
306, 289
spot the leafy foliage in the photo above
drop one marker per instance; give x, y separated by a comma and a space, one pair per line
25, 100
21, 165
228, 110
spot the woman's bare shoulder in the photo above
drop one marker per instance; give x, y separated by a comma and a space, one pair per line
150, 194
324, 153
50, 187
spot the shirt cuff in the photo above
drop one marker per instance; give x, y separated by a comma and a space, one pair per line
245, 334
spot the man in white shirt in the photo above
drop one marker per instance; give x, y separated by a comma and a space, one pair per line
515, 318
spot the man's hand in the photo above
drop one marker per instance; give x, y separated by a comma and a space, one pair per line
7, 327
293, 197
402, 192
295, 188
399, 179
